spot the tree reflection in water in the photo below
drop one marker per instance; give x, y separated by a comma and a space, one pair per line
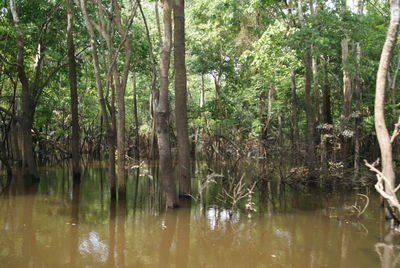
121, 217
388, 251
74, 237
111, 233
29, 243
58, 225
183, 241
168, 226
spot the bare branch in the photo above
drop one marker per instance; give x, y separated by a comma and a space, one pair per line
396, 131
389, 193
366, 205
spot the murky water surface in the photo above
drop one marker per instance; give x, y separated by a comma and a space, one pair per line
57, 225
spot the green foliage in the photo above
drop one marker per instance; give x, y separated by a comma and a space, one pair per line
243, 50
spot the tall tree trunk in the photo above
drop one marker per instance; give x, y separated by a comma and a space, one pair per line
326, 96
121, 172
181, 98
28, 105
120, 82
316, 88
73, 93
162, 112
310, 126
345, 123
317, 95
202, 92
326, 117
154, 90
381, 81
358, 119
310, 133
294, 119
358, 100
135, 115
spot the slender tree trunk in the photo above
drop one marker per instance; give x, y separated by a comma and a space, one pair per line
262, 117
135, 115
181, 98
345, 122
314, 60
120, 83
109, 129
162, 112
326, 96
266, 119
381, 81
73, 93
347, 92
294, 119
121, 172
158, 21
154, 90
202, 93
326, 117
358, 119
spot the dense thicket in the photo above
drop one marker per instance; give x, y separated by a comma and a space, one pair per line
290, 84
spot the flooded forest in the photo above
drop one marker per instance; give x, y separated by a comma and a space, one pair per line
199, 133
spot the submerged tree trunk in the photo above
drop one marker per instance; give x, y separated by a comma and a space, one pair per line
310, 126
100, 94
120, 83
162, 112
73, 93
121, 172
28, 103
181, 98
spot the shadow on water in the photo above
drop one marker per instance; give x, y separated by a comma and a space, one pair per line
112, 232
58, 223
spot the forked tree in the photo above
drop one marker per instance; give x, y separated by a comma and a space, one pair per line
386, 178
162, 110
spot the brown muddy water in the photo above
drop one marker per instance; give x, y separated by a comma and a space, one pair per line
56, 225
